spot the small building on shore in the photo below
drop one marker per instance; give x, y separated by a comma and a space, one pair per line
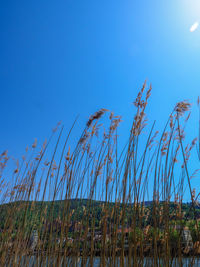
33, 239
187, 238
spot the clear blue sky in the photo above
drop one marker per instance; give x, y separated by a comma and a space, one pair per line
59, 59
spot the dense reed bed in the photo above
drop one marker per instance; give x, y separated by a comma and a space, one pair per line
49, 208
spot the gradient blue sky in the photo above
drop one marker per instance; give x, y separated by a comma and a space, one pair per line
59, 59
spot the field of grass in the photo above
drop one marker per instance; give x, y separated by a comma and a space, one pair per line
91, 198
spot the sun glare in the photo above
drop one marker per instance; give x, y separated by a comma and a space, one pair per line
194, 27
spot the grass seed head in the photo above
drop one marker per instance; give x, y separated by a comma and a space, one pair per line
97, 115
182, 107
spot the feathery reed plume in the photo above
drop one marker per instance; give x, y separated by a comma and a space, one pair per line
97, 115
182, 107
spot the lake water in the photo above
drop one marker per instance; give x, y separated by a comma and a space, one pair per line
32, 261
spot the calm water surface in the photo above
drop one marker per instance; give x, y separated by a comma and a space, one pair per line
32, 261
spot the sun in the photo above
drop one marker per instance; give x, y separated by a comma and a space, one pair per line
194, 26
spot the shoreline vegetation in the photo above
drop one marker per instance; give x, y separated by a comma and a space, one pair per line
89, 198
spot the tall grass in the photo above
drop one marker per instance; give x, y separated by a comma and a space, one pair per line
151, 166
